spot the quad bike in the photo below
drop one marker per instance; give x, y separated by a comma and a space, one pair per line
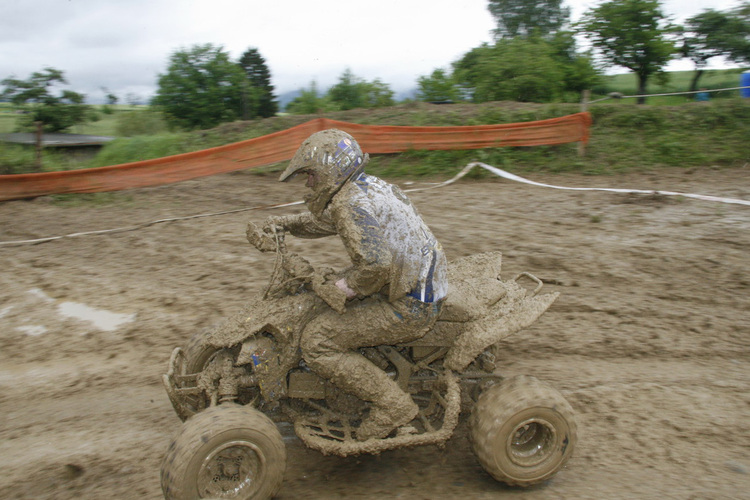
231, 383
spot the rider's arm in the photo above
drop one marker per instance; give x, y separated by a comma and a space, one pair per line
305, 225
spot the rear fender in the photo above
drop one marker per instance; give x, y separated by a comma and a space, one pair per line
524, 311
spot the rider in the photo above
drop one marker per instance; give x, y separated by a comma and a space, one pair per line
394, 288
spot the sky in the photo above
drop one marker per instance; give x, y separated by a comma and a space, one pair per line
123, 45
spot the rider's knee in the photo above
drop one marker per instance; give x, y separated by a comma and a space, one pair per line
315, 346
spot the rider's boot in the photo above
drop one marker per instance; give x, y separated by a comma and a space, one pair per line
384, 418
352, 372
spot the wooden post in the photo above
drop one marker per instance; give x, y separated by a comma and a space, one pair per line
39, 128
585, 98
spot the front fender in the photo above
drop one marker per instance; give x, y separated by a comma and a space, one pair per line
283, 317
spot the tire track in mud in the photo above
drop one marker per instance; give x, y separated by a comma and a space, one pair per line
81, 432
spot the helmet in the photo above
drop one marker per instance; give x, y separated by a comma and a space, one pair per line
333, 157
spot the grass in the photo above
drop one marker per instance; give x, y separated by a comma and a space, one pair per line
106, 124
7, 118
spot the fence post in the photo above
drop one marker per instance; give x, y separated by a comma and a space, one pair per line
585, 98
39, 136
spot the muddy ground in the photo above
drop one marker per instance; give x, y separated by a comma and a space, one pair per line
649, 340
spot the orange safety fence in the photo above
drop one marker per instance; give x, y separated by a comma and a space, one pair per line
281, 146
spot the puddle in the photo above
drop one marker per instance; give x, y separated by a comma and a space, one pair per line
33, 330
103, 320
37, 292
100, 318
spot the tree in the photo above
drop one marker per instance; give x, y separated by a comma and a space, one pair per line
714, 34
377, 94
512, 69
520, 69
353, 92
254, 66
134, 99
201, 88
110, 97
579, 70
111, 100
525, 18
634, 34
348, 92
35, 97
308, 102
438, 87
741, 51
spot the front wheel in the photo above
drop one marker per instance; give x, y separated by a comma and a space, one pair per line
226, 451
523, 431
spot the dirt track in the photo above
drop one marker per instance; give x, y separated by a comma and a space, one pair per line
649, 340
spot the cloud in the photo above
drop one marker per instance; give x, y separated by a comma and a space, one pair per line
124, 45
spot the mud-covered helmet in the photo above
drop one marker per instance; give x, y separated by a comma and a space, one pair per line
333, 157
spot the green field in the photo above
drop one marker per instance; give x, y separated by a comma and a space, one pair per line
678, 81
106, 124
7, 118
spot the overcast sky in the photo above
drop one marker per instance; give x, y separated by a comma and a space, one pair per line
123, 45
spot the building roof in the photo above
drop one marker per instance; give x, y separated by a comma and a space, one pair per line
56, 140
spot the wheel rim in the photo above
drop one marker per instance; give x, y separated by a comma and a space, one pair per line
231, 471
531, 442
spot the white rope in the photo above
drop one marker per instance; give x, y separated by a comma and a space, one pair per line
144, 225
617, 95
513, 177
462, 173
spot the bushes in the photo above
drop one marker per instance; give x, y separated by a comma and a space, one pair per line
142, 147
142, 122
624, 137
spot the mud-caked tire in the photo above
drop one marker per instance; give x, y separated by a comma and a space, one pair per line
522, 431
226, 451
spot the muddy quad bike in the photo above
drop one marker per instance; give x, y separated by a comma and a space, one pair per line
231, 383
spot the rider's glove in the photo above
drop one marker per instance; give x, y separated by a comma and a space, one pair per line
261, 240
274, 223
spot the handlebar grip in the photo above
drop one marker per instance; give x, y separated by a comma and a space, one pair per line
264, 241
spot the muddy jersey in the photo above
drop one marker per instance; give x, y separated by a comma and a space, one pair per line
391, 248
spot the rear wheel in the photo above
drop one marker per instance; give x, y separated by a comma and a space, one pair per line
523, 431
226, 451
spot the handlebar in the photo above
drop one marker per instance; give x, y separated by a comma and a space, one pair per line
539, 283
297, 268
265, 240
